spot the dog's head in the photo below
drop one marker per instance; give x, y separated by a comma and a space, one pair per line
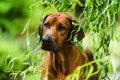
56, 29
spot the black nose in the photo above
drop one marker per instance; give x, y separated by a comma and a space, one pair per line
46, 38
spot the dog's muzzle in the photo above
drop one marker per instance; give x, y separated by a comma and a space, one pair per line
48, 44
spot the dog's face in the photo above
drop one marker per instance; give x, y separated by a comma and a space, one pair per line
55, 30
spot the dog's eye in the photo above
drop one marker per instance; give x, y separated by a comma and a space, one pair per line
46, 25
61, 27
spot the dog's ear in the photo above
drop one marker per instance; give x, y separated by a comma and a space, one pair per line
40, 31
80, 34
41, 28
75, 31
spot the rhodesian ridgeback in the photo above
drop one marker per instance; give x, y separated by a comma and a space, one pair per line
63, 57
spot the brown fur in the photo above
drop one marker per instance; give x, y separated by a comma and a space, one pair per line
62, 57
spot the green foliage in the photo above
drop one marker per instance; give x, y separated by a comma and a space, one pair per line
21, 56
12, 14
7, 52
99, 22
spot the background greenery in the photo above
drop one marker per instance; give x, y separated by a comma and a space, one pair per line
21, 56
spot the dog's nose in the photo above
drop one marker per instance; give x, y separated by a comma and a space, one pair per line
46, 38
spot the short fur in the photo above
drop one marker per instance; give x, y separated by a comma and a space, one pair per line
62, 57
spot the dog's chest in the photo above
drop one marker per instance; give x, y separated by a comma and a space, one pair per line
63, 65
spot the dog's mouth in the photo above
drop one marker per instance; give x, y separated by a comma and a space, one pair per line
50, 46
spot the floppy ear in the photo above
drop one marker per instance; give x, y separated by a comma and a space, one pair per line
75, 31
80, 34
41, 28
40, 31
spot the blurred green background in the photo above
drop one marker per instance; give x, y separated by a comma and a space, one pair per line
20, 53
16, 41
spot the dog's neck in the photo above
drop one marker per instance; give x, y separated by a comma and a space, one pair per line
63, 59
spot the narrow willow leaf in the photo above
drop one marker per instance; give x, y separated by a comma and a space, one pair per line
110, 67
90, 72
12, 60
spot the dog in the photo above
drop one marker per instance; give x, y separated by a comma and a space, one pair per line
56, 32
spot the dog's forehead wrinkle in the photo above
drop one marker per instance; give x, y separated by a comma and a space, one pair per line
59, 16
55, 20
